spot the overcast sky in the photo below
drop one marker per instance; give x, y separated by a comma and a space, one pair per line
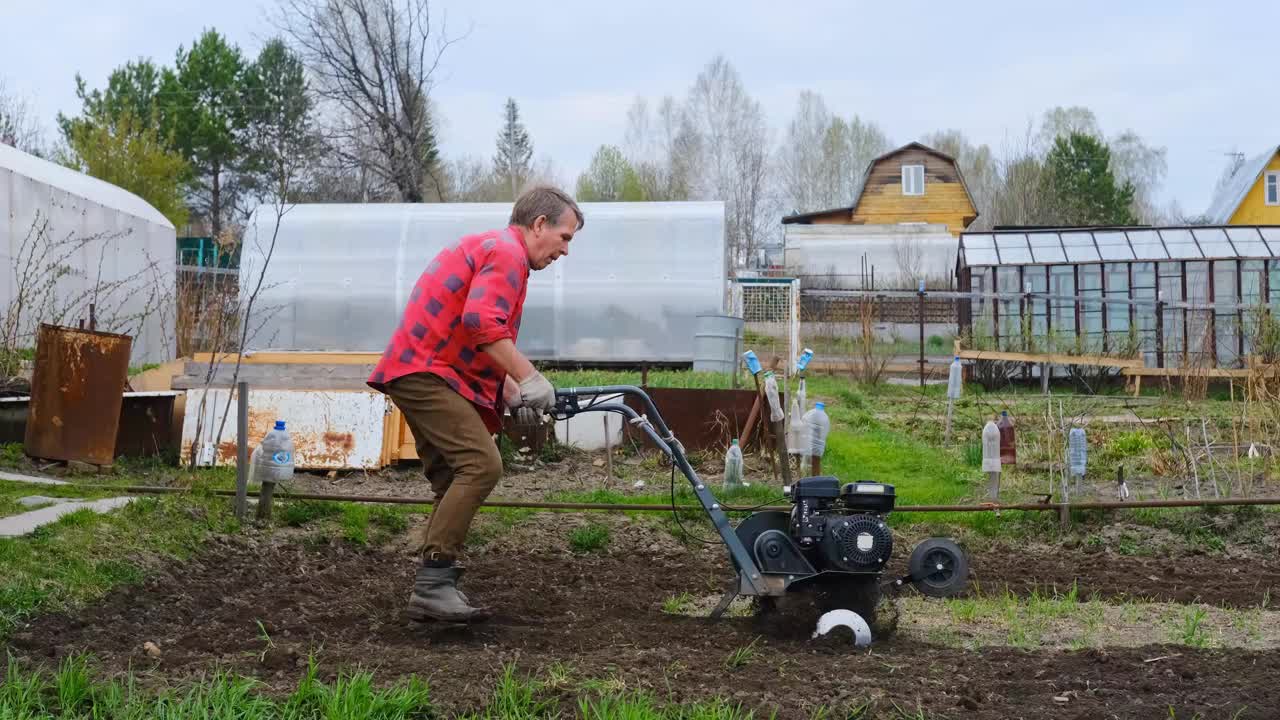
1199, 78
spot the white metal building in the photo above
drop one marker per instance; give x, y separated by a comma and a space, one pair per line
85, 234
857, 257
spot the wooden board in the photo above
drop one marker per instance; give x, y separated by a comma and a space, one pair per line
1184, 372
1051, 358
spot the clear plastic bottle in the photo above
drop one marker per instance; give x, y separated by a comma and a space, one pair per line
818, 425
1077, 451
733, 467
955, 380
273, 458
990, 447
771, 394
800, 394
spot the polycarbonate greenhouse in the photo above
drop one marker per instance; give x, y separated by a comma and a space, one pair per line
1180, 296
630, 290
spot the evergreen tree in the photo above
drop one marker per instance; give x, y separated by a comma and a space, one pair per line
515, 151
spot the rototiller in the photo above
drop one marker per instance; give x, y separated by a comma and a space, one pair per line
834, 544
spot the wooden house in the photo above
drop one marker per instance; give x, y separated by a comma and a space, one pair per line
910, 185
1251, 196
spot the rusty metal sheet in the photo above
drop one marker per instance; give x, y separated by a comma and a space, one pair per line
331, 430
76, 392
146, 425
701, 419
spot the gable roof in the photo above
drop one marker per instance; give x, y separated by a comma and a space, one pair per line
79, 184
1233, 191
809, 216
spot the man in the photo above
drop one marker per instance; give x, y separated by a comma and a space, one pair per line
451, 367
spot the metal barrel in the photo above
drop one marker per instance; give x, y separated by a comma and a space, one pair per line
77, 388
715, 342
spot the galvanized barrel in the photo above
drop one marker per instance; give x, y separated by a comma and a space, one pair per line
715, 342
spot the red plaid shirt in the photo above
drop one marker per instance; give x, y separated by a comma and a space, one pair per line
471, 294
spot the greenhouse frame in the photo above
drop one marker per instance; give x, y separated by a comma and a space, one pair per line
1178, 296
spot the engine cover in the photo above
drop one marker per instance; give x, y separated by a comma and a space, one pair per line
857, 543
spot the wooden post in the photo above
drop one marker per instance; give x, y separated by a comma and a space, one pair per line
1044, 378
264, 500
946, 438
993, 486
780, 446
751, 416
608, 447
242, 449
1064, 509
920, 304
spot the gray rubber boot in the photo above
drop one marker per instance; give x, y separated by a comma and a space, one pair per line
436, 597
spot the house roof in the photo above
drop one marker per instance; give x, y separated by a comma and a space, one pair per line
805, 217
1234, 190
80, 185
1067, 246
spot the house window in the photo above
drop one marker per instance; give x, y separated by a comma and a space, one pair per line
912, 179
1273, 188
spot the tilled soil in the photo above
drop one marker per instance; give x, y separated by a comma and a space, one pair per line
601, 616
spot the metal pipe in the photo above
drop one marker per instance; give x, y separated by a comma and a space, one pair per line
658, 507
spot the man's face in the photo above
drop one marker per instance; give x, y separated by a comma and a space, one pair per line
548, 241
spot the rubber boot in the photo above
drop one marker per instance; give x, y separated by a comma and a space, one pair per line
436, 597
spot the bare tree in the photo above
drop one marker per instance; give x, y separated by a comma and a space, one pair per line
732, 149
18, 125
659, 148
908, 254
979, 167
801, 157
374, 62
823, 158
53, 281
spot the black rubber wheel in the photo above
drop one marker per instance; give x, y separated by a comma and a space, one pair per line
939, 567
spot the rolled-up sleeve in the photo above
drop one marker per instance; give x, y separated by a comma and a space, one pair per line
486, 315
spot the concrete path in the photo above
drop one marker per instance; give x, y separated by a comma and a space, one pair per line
24, 524
15, 477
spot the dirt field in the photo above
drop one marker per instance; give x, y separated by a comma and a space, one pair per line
600, 616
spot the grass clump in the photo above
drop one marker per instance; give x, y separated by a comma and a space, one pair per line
593, 537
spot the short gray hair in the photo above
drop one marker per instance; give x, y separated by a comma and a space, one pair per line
543, 200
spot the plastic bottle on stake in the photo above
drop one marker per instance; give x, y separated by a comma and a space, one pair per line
818, 425
803, 361
955, 380
991, 447
991, 459
276, 462
1077, 452
771, 394
733, 467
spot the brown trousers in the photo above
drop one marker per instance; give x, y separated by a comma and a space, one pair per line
459, 458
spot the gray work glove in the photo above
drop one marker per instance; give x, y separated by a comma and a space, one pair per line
536, 392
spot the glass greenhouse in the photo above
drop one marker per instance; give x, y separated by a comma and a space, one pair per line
1179, 296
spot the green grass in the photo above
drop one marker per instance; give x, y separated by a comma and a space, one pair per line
72, 691
1191, 629
741, 656
593, 537
84, 554
11, 455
